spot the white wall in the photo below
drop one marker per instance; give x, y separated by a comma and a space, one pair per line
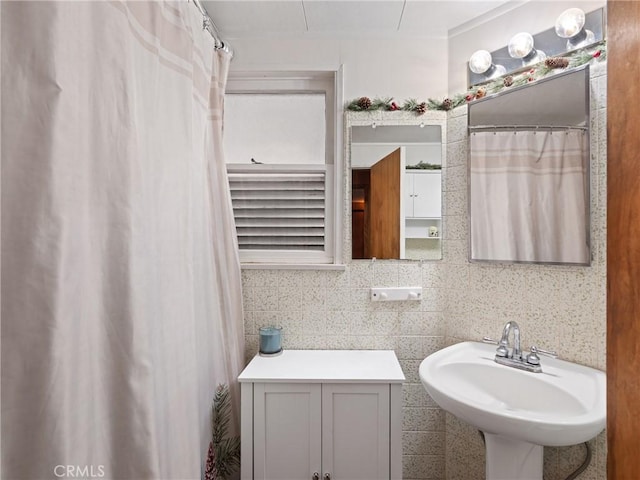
373, 67
534, 17
364, 155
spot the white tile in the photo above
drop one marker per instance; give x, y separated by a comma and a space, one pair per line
423, 419
339, 323
361, 274
455, 227
386, 274
455, 202
410, 348
265, 298
457, 129
423, 443
290, 298
456, 178
409, 274
423, 467
433, 299
457, 153
315, 322
433, 274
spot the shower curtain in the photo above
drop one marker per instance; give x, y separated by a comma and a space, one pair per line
529, 196
121, 289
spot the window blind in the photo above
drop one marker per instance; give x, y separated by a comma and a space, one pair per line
279, 210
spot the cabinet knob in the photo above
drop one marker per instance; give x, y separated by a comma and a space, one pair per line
327, 476
316, 476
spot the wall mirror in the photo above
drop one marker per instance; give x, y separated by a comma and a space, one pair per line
396, 161
529, 165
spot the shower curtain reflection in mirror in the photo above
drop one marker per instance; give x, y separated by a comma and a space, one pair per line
529, 196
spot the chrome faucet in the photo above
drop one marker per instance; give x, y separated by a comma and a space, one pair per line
516, 352
514, 358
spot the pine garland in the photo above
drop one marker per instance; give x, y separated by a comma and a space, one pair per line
363, 104
540, 70
424, 166
356, 105
381, 104
410, 105
225, 454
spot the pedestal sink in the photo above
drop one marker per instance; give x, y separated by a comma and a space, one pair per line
518, 411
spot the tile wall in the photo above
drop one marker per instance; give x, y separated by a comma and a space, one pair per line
560, 308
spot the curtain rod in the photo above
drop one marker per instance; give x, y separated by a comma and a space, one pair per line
527, 127
209, 25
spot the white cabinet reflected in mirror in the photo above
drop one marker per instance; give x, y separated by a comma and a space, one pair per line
396, 187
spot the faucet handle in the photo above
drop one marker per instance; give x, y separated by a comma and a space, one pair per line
548, 353
534, 359
501, 351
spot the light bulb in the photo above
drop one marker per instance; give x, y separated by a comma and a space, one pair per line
570, 22
480, 61
570, 25
521, 46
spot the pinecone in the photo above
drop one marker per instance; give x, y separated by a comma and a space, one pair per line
508, 81
447, 104
481, 92
421, 108
556, 62
364, 103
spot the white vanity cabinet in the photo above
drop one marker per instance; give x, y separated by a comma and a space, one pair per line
334, 413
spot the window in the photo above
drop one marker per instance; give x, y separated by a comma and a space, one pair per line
280, 145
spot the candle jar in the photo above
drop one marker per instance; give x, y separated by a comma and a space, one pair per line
270, 341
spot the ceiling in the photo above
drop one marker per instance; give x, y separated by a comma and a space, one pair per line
423, 18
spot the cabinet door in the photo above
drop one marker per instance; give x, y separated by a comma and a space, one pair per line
427, 195
287, 431
355, 431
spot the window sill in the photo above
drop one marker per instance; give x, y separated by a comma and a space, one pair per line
292, 266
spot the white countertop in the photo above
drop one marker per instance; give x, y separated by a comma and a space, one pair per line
319, 366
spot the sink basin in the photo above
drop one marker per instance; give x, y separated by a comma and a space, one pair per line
563, 405
518, 411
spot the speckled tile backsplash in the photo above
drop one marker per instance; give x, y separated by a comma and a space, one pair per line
558, 308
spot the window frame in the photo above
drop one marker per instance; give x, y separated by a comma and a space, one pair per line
303, 82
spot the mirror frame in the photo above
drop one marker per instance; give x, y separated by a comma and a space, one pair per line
390, 119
